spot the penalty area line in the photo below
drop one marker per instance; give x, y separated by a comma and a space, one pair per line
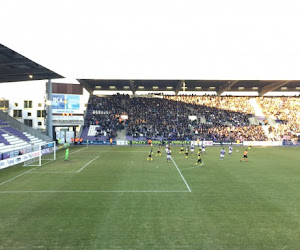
93, 191
51, 173
187, 185
191, 167
17, 176
87, 164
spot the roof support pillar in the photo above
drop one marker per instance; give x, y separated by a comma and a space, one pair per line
179, 86
49, 109
272, 86
132, 86
225, 87
86, 86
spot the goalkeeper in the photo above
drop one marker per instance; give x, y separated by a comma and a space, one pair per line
67, 154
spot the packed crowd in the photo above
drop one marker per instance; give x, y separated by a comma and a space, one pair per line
158, 118
285, 111
235, 104
168, 117
106, 112
232, 133
226, 118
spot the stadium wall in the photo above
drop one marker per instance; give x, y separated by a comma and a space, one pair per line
291, 143
262, 143
18, 159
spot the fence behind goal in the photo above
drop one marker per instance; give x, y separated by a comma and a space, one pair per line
44, 153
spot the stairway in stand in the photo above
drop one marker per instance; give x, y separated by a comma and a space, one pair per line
259, 113
121, 135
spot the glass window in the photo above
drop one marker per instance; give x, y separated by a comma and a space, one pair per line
28, 122
40, 113
17, 113
27, 104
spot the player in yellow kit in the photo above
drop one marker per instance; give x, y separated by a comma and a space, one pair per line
199, 161
158, 151
150, 155
186, 153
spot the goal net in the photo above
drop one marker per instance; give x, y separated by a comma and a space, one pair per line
41, 154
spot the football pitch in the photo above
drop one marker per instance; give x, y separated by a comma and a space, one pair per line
113, 198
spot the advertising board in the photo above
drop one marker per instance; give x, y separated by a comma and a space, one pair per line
62, 103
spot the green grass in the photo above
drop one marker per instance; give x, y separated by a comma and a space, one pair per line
121, 201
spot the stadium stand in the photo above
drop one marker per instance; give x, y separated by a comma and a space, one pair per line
221, 118
285, 111
12, 139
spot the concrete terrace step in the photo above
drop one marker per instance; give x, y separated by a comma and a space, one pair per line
17, 142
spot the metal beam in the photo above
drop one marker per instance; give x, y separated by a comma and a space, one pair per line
132, 86
14, 61
22, 78
272, 86
86, 86
178, 87
17, 72
49, 109
225, 87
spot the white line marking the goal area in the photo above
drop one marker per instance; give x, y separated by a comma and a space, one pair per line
187, 185
78, 150
63, 156
87, 164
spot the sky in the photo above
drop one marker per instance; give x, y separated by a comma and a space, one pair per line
157, 39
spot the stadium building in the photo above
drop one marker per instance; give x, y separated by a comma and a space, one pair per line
141, 134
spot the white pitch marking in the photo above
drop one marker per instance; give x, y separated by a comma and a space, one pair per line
79, 150
17, 176
187, 185
118, 151
81, 156
62, 156
93, 191
51, 173
87, 164
190, 168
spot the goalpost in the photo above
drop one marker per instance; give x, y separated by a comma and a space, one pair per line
41, 153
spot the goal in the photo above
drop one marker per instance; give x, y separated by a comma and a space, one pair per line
41, 154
